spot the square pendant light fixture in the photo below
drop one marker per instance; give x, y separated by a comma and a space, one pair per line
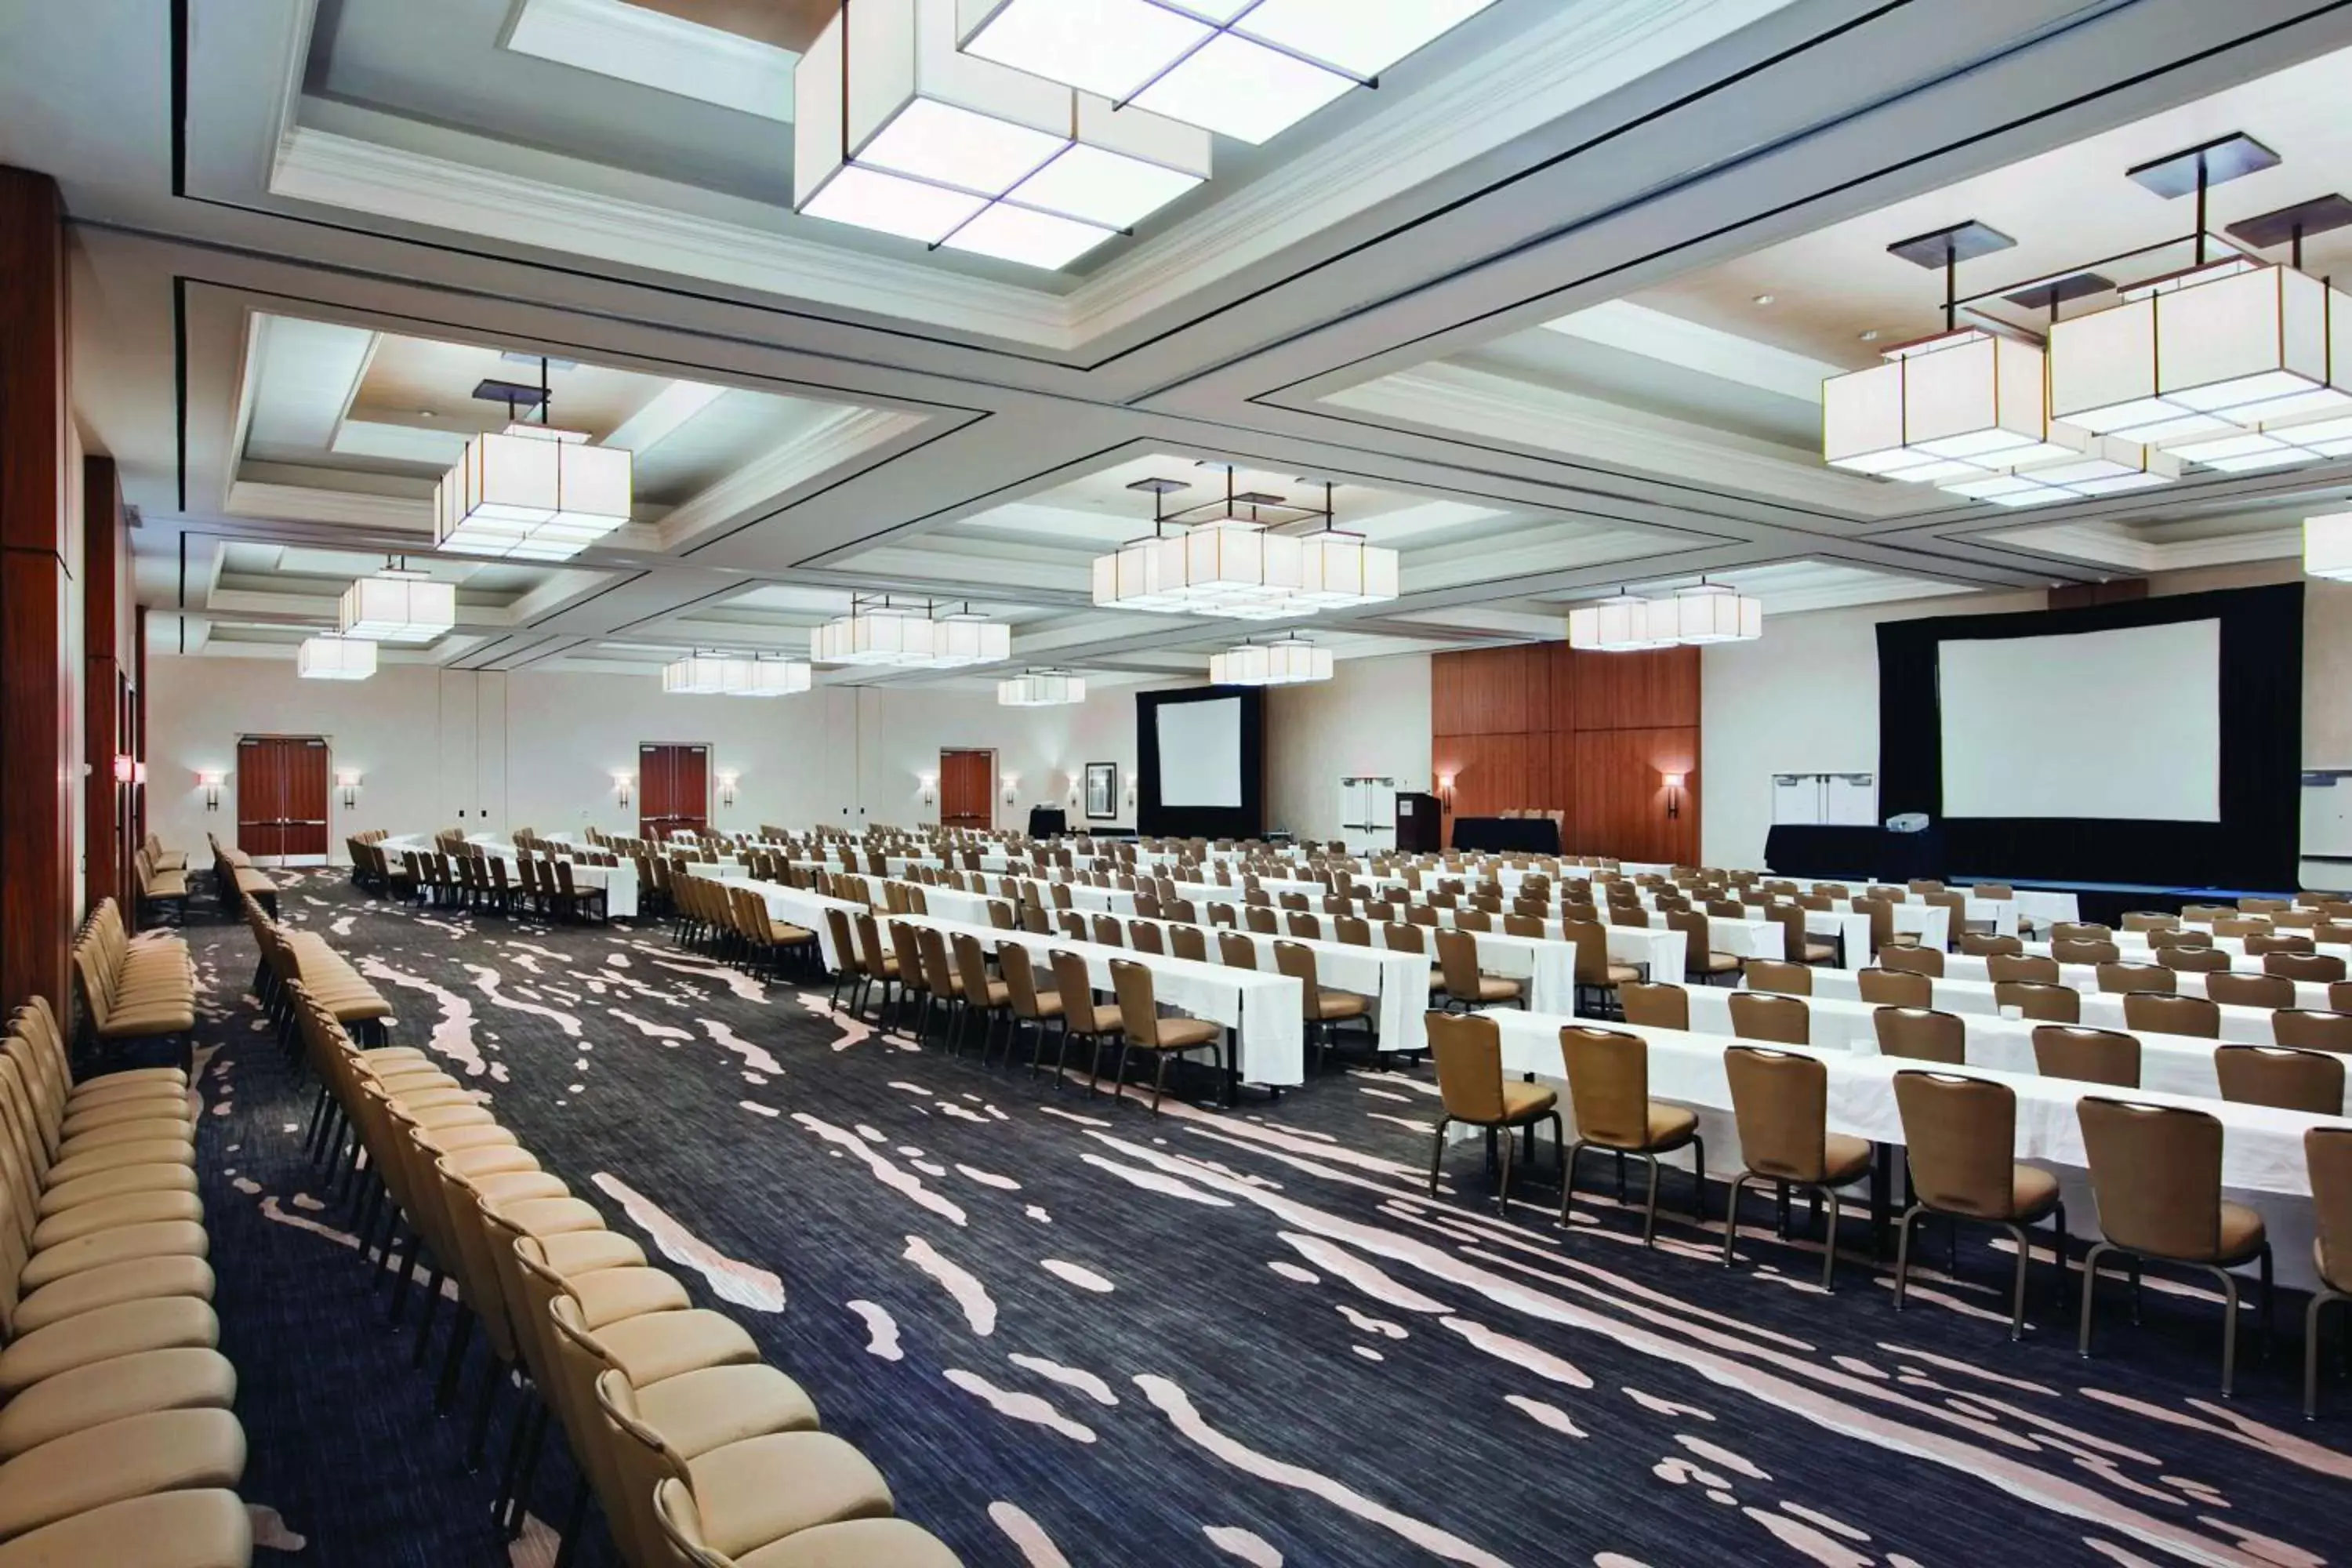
1231, 562
1711, 613
1286, 661
530, 493
1041, 688
1245, 68
877, 631
722, 675
1623, 623
895, 130
334, 658
398, 606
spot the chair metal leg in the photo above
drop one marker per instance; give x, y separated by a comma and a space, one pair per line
2311, 1326
2266, 1301
2090, 1294
1503, 1192
2017, 1292
1437, 1157
1731, 1215
1698, 1179
2229, 1326
444, 1395
1567, 1176
425, 1332
1829, 1241
1903, 1252
1160, 1080
1649, 1208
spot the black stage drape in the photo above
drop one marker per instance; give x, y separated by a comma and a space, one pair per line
1156, 820
2256, 843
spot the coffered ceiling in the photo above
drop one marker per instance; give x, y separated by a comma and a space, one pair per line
1505, 307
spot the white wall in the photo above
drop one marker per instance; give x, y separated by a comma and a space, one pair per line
1371, 719
1804, 699
541, 749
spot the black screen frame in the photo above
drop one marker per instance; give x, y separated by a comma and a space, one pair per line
1156, 820
2257, 843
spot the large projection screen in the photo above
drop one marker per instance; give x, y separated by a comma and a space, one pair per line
2123, 724
1201, 754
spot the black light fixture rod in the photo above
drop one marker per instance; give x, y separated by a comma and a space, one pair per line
1951, 285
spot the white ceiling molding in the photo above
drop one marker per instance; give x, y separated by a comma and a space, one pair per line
1709, 350
652, 48
338, 170
825, 446
2111, 545
1456, 398
437, 444
1528, 81
354, 508
663, 414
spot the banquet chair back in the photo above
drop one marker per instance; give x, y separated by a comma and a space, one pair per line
1925, 960
1653, 1005
2282, 1077
2311, 1030
2162, 1013
1922, 1034
2117, 977
1786, 979
2024, 966
1896, 987
1761, 1015
2086, 1056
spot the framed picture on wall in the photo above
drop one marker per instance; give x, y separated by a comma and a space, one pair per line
1102, 790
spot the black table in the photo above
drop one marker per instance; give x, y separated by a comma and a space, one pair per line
1508, 835
1049, 821
1873, 852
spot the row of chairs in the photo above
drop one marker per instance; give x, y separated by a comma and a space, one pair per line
160, 887
733, 925
236, 877
700, 1454
132, 988
2156, 1171
117, 1442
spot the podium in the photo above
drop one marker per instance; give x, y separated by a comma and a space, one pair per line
1048, 821
1420, 825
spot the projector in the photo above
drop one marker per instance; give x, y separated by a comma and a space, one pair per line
1907, 822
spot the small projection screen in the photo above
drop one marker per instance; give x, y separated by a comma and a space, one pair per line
1200, 762
2122, 724
2148, 743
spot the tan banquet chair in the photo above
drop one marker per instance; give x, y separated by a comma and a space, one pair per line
2328, 1151
1960, 1134
2086, 1056
1654, 1006
1609, 1089
2281, 1077
2161, 1012
1143, 1029
1895, 988
1472, 1089
1921, 1035
2310, 1030
1781, 1101
2156, 1172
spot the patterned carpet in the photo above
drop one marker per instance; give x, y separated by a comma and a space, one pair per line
1069, 1333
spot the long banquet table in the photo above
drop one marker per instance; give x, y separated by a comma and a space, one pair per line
619, 882
2085, 977
2100, 1009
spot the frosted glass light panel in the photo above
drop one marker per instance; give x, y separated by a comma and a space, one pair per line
1239, 570
895, 128
1956, 405
1289, 662
533, 493
694, 676
888, 638
962, 639
1041, 688
334, 658
1209, 62
2214, 353
398, 606
1623, 623
764, 678
2327, 546
1713, 613
1340, 570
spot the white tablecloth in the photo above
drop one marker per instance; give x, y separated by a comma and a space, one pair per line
1398, 983
2100, 1009
1663, 952
802, 908
1263, 1010
2261, 1149
619, 882
2085, 977
2172, 1063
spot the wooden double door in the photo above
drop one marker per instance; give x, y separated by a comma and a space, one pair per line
673, 788
281, 794
968, 789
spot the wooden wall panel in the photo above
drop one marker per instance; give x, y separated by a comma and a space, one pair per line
36, 720
1491, 692
1590, 735
1621, 800
1494, 773
1630, 690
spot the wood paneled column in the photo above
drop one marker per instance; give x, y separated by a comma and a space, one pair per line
35, 795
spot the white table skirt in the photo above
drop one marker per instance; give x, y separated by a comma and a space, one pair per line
2136, 947
1264, 1010
1398, 983
2311, 994
2100, 1009
618, 882
2170, 1063
1663, 952
2261, 1149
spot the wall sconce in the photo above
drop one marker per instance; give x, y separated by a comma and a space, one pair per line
1674, 794
1130, 790
210, 783
620, 782
926, 785
726, 788
1446, 791
1011, 782
125, 770
138, 775
348, 780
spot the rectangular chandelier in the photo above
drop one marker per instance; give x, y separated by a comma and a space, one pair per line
334, 658
909, 637
1959, 405
398, 606
1341, 571
719, 675
1226, 567
1245, 68
1041, 688
532, 492
1711, 613
895, 130
1623, 623
1287, 661
2230, 348
2106, 465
